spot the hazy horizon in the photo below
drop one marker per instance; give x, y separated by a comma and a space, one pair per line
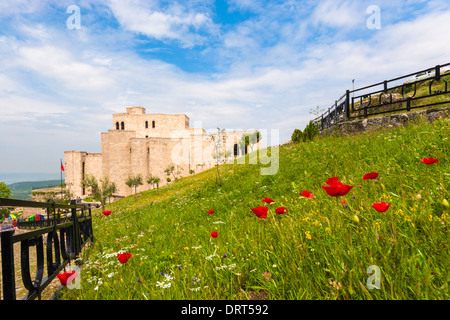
10, 178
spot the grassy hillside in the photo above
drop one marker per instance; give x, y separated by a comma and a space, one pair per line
316, 250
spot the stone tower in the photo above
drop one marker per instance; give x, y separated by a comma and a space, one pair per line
146, 144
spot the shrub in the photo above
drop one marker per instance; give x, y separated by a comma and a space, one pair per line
297, 136
311, 131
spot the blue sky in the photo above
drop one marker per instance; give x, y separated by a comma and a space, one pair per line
233, 64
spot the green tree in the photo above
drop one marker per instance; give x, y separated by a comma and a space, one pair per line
134, 181
5, 192
297, 136
317, 111
244, 142
150, 179
249, 140
178, 171
170, 170
154, 181
58, 197
218, 153
311, 131
101, 190
254, 138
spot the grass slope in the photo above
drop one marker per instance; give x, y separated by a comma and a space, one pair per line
314, 251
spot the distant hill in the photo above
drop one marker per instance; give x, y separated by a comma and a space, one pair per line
22, 190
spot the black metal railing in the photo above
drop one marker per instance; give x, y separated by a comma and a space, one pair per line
66, 229
399, 94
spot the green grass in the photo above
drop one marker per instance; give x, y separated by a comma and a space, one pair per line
314, 251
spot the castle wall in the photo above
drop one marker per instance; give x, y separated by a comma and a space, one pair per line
147, 151
73, 170
149, 125
77, 165
116, 153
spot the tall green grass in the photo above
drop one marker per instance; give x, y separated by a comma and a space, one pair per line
314, 251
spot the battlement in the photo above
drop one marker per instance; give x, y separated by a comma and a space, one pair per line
136, 110
149, 125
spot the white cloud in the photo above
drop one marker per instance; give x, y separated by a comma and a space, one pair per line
175, 23
58, 64
270, 76
338, 13
19, 7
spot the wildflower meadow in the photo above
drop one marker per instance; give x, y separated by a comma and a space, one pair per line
338, 208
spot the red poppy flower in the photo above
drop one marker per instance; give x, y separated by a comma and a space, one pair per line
429, 160
260, 212
381, 206
281, 210
63, 277
123, 257
336, 188
214, 234
306, 194
370, 176
342, 201
210, 211
267, 200
332, 180
106, 212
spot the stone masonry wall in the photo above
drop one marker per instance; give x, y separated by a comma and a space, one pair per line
389, 121
137, 149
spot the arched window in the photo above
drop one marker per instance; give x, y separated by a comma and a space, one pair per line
122, 125
153, 124
146, 124
236, 149
117, 126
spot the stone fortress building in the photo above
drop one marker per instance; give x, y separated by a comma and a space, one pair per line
147, 144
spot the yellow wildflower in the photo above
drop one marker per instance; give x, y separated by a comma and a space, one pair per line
378, 225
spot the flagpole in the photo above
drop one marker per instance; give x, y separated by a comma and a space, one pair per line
60, 170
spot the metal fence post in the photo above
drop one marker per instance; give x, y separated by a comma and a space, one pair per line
76, 230
347, 103
8, 273
90, 224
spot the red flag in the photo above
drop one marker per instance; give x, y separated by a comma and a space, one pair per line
62, 167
